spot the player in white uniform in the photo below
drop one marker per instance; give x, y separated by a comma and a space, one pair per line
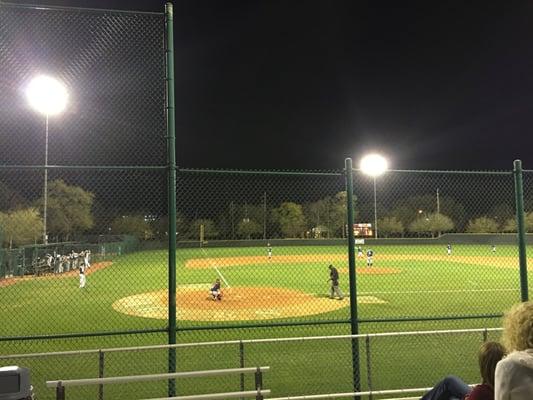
359, 251
86, 259
83, 279
269, 251
369, 258
449, 249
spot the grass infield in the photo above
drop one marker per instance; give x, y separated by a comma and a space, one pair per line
404, 282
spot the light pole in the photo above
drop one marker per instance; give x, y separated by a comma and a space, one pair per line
48, 96
374, 165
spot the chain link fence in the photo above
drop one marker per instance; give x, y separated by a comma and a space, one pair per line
85, 237
310, 365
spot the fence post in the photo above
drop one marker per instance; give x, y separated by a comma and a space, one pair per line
258, 383
352, 276
241, 362
60, 391
368, 366
100, 374
171, 148
521, 228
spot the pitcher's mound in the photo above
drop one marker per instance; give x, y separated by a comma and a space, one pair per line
237, 304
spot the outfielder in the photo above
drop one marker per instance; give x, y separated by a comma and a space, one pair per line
269, 251
369, 257
359, 251
449, 249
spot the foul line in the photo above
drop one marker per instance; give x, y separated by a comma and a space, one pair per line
438, 291
216, 268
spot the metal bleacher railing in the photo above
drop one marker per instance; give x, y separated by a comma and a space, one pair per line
258, 393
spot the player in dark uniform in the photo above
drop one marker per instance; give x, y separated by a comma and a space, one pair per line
369, 257
215, 290
334, 278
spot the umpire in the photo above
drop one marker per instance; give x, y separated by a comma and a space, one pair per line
334, 278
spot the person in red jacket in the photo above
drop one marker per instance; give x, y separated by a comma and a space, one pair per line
453, 387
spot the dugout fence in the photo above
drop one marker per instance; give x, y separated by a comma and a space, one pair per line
106, 168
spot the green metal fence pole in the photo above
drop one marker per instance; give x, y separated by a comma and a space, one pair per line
241, 363
171, 147
352, 276
101, 365
521, 228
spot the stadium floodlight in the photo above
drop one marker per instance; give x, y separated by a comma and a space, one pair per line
374, 165
49, 97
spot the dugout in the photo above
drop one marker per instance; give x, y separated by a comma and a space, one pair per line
30, 259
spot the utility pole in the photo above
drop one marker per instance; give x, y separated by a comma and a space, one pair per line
438, 202
265, 216
438, 209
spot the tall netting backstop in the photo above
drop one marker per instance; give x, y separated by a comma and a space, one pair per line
84, 214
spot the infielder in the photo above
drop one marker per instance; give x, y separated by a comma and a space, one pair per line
215, 292
369, 258
269, 251
334, 278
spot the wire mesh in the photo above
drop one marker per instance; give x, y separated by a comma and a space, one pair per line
84, 232
444, 238
112, 66
298, 366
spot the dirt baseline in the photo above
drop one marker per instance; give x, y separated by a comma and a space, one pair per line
238, 304
223, 262
73, 272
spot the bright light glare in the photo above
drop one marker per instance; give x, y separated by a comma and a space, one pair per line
47, 95
373, 165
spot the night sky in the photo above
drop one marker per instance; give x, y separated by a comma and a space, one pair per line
302, 85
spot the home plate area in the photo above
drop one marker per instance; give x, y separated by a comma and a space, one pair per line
238, 304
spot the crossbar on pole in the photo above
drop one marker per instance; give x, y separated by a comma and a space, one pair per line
213, 396
153, 377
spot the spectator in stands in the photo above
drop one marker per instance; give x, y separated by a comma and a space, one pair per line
453, 387
514, 374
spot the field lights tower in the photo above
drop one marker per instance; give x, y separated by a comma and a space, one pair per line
47, 96
374, 165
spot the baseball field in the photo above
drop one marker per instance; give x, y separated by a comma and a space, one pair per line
407, 288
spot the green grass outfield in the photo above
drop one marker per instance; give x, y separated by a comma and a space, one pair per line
428, 284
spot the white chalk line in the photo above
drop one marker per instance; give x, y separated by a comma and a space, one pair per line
216, 269
439, 291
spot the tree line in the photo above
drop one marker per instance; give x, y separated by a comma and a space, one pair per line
72, 210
